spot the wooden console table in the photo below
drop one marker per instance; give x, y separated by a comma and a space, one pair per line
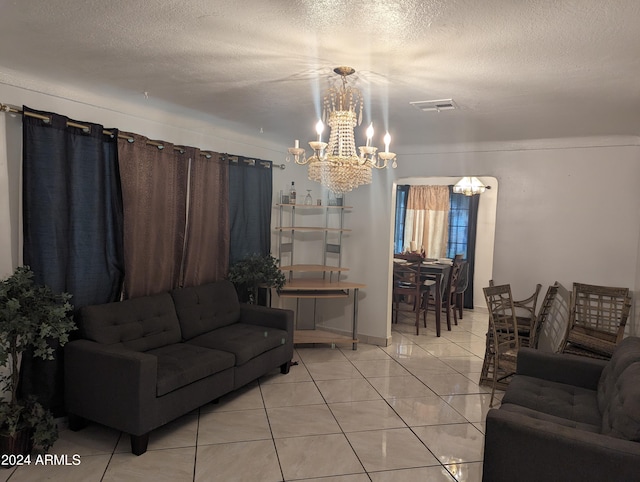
322, 288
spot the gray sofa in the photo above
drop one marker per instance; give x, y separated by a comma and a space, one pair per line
567, 418
143, 362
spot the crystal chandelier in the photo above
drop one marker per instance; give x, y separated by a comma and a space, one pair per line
336, 164
469, 186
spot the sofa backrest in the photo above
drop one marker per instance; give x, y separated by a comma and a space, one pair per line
619, 392
204, 308
140, 324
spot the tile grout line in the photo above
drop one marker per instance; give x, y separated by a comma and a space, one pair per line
273, 439
113, 452
468, 422
404, 422
195, 455
400, 416
333, 415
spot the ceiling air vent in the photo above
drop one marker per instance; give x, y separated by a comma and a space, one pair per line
434, 105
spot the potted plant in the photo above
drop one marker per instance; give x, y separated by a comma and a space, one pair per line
31, 316
253, 272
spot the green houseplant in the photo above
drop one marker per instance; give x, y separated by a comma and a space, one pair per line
30, 317
255, 271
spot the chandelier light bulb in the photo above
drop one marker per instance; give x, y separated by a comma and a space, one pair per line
387, 141
319, 129
369, 134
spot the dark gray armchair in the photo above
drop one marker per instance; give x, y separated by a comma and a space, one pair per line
567, 418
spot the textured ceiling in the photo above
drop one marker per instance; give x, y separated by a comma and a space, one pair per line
516, 69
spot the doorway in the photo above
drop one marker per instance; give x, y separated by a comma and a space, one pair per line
485, 229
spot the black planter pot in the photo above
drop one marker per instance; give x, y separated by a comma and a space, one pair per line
21, 443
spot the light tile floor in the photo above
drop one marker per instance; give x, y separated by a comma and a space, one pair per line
409, 411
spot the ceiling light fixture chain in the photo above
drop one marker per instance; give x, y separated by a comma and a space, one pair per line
337, 164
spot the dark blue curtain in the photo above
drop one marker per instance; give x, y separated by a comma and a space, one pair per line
72, 209
250, 195
402, 193
462, 234
458, 224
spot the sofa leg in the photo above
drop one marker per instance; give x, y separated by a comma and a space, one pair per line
77, 422
139, 443
284, 368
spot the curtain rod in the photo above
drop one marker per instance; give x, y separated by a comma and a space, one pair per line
15, 110
10, 109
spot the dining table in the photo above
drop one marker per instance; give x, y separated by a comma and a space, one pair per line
435, 270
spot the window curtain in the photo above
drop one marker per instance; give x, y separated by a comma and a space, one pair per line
401, 213
474, 202
154, 191
427, 220
462, 234
73, 223
458, 224
250, 194
206, 253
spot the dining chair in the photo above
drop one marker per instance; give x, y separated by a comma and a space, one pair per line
503, 345
461, 287
454, 279
596, 321
410, 288
541, 317
449, 291
525, 315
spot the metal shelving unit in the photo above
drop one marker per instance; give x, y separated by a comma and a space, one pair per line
328, 283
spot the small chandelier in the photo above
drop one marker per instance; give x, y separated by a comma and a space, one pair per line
337, 165
469, 186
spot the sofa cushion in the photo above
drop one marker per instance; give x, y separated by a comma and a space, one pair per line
558, 399
621, 417
626, 353
244, 341
139, 324
180, 364
204, 308
587, 427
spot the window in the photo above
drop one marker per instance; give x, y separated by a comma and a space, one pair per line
458, 222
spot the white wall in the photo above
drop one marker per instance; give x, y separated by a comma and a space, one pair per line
10, 184
567, 210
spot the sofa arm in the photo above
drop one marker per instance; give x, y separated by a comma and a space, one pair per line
110, 384
267, 316
518, 447
562, 368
